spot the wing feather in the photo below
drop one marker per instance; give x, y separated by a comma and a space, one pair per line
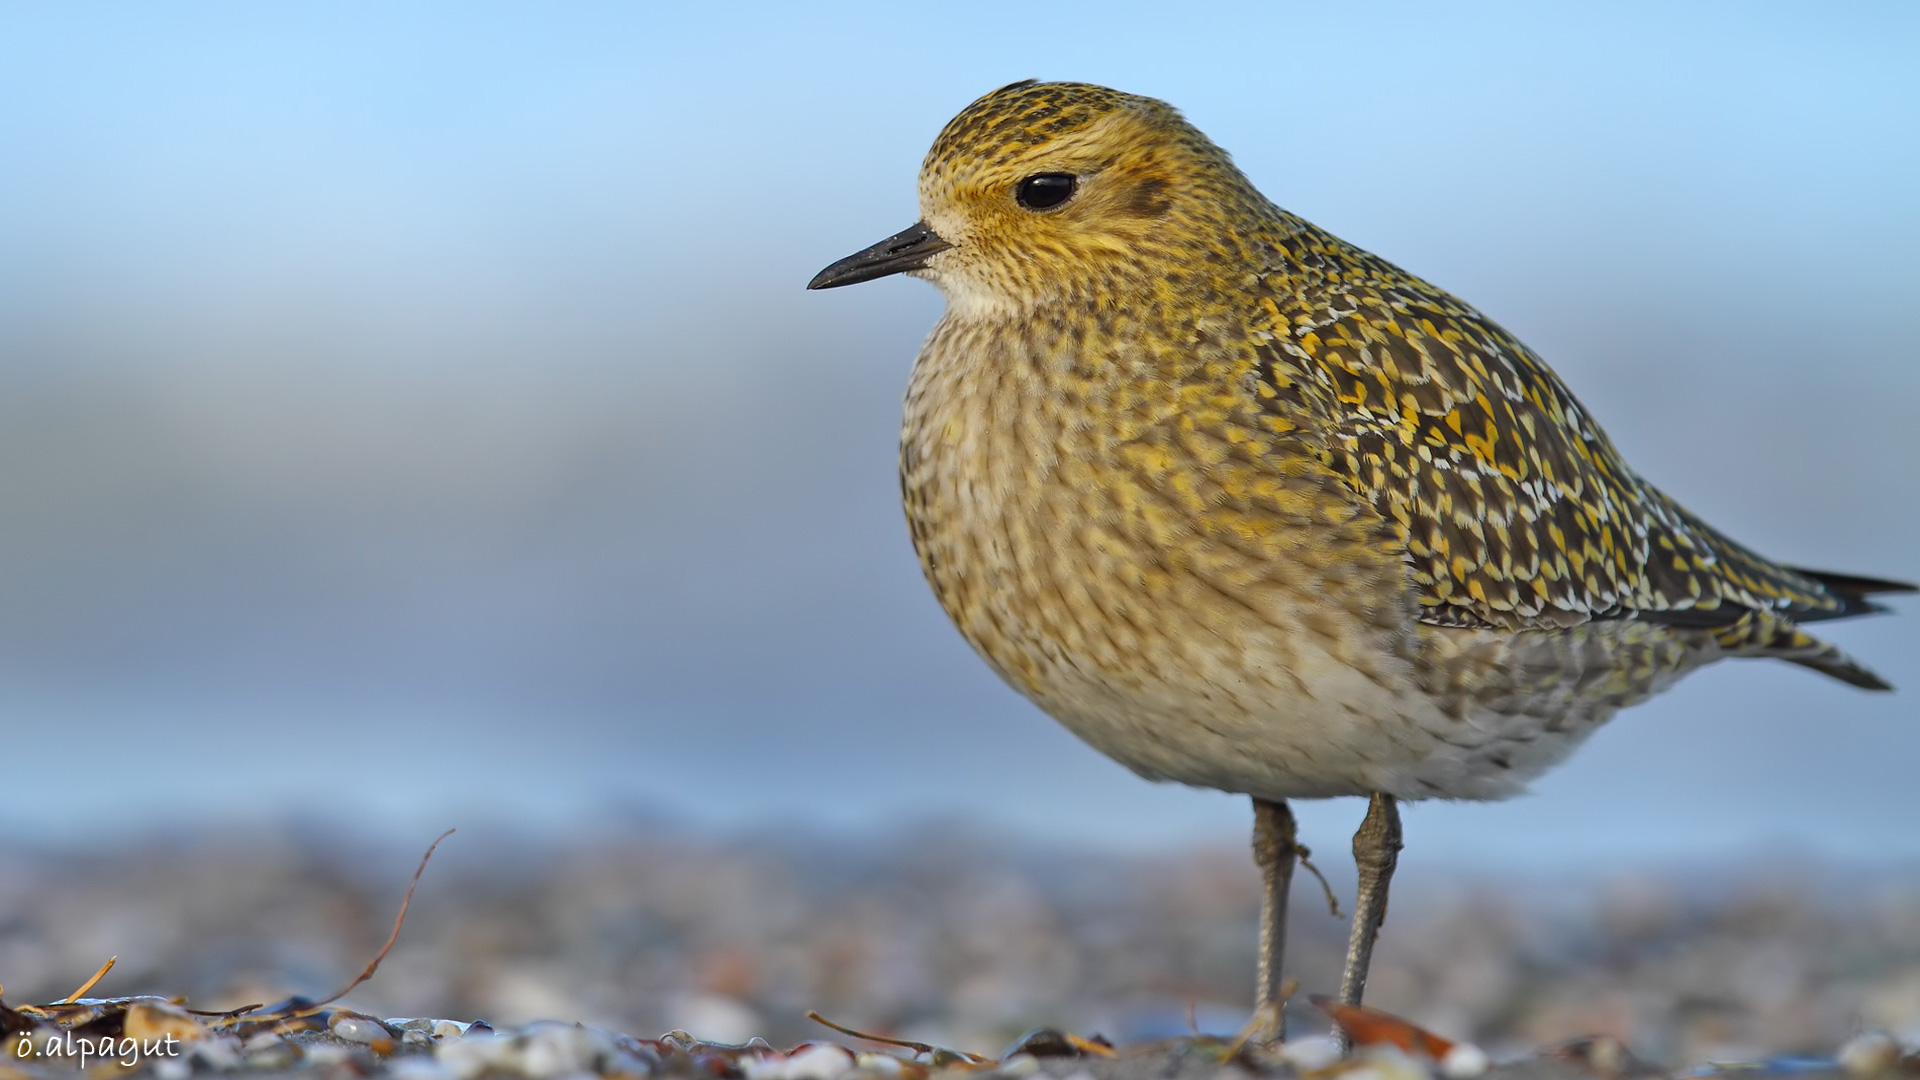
1515, 508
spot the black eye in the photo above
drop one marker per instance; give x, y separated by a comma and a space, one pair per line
1046, 191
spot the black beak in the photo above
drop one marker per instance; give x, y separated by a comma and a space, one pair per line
908, 249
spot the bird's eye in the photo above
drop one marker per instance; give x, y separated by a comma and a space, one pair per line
1045, 191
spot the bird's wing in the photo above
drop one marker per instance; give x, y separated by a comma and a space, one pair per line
1515, 509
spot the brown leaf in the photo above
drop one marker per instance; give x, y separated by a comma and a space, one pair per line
1371, 1027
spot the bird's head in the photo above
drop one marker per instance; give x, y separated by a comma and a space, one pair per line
1043, 191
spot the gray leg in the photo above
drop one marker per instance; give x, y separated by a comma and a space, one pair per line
1376, 848
1274, 848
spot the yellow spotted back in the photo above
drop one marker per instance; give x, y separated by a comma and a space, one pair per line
1515, 507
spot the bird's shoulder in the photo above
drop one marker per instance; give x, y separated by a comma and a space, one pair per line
1514, 507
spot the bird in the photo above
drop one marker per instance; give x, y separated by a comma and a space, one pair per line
1246, 507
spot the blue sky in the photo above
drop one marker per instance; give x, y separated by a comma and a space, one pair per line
413, 410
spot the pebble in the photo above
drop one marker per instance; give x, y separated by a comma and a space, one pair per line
1465, 1062
552, 1049
419, 1067
821, 1061
474, 1054
219, 1054
1602, 1055
1384, 1062
808, 1061
1870, 1053
1018, 1066
149, 1020
328, 1054
358, 1029
1311, 1053
772, 1067
624, 1062
268, 1051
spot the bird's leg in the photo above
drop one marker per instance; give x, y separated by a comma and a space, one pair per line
1376, 849
1274, 849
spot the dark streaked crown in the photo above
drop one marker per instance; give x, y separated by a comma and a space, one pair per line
1023, 115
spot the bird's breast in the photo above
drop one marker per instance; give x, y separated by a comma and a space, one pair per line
1100, 532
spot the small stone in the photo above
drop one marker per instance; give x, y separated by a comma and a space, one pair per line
411, 1023
327, 1053
767, 1067
623, 1062
419, 1067
261, 1043
149, 1020
646, 1050
555, 1049
358, 1029
1016, 1066
268, 1051
1603, 1055
821, 1061
1384, 1061
1465, 1062
222, 1053
277, 1057
1311, 1053
449, 1029
470, 1056
1043, 1042
1870, 1053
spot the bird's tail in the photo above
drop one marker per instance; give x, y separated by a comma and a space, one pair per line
1764, 634
1854, 591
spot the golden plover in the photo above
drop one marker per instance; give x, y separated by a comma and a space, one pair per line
1246, 507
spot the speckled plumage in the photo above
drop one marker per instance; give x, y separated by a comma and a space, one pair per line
1247, 507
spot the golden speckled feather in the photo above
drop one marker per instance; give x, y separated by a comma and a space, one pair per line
1514, 507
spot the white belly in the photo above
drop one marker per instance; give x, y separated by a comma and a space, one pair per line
1316, 729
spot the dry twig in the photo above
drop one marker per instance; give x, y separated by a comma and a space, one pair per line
916, 1047
374, 964
88, 985
1306, 860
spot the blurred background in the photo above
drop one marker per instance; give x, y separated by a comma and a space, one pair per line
412, 414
